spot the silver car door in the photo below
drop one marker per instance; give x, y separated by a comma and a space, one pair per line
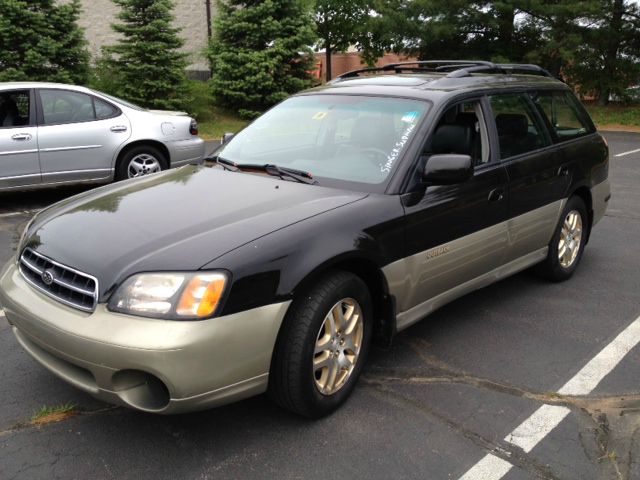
78, 135
19, 164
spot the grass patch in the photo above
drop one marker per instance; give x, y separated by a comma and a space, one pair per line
615, 115
48, 414
219, 123
213, 122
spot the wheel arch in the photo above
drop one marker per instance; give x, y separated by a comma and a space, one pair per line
370, 273
140, 143
584, 193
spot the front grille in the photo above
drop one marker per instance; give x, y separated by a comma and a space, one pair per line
65, 284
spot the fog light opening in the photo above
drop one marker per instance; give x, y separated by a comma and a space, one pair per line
141, 390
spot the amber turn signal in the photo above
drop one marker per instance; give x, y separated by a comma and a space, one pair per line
202, 295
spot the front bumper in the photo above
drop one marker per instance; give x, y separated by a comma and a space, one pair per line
152, 365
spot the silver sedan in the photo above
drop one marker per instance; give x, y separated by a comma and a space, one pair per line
53, 134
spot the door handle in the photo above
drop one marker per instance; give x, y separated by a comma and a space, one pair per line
496, 195
118, 128
563, 171
21, 137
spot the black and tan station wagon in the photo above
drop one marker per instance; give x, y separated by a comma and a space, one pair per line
344, 214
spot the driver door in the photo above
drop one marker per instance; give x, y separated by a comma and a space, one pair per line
454, 233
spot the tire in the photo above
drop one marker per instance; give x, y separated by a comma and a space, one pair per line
573, 226
301, 378
142, 160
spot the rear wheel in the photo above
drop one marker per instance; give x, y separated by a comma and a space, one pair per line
322, 346
568, 242
140, 161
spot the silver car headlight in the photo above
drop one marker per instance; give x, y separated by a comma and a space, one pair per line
171, 295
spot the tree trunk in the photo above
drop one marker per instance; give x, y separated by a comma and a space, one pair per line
327, 63
506, 20
611, 54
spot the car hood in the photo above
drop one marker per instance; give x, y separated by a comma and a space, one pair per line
181, 219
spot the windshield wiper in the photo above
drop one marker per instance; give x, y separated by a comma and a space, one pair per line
226, 164
282, 172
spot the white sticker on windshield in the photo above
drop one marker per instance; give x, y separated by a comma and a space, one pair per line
397, 148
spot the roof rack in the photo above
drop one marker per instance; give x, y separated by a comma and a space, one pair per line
454, 68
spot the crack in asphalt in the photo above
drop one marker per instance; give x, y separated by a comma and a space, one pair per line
611, 423
502, 449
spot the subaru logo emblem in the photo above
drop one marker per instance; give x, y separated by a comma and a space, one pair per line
47, 277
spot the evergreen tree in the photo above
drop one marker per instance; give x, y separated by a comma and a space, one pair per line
260, 53
608, 61
40, 41
146, 61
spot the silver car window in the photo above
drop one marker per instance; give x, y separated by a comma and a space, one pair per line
64, 106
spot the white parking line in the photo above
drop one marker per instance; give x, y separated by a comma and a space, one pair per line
627, 153
530, 432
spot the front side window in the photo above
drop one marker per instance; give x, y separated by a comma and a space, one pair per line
519, 128
336, 138
562, 113
14, 108
461, 130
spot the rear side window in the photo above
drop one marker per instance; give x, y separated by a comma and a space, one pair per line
65, 106
104, 109
563, 115
14, 109
520, 130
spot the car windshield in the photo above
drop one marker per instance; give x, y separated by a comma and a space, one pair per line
341, 138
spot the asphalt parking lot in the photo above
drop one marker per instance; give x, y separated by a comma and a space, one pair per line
480, 390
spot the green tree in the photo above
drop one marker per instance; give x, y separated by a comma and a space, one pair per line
146, 63
260, 53
340, 24
609, 59
40, 41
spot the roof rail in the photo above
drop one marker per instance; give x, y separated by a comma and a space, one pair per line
455, 68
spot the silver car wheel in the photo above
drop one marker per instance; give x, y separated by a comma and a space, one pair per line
338, 346
570, 239
143, 164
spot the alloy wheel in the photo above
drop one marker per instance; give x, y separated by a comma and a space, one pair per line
338, 346
570, 239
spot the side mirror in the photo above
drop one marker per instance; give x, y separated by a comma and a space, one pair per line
447, 169
227, 137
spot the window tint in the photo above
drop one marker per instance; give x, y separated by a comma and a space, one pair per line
519, 129
562, 113
14, 109
63, 106
461, 131
104, 109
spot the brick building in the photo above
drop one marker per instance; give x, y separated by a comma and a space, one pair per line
191, 15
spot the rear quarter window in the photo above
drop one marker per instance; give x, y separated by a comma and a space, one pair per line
564, 114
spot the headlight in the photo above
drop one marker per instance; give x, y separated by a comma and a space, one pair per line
178, 296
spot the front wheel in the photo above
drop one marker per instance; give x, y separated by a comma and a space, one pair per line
322, 346
568, 242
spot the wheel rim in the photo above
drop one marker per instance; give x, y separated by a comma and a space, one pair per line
570, 239
338, 346
143, 164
